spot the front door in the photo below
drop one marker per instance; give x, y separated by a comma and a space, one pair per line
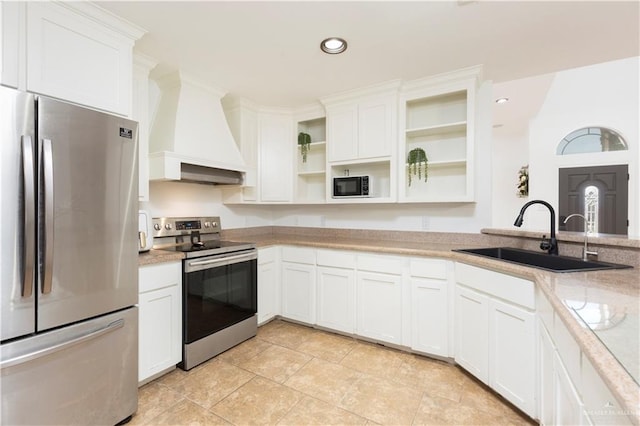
600, 193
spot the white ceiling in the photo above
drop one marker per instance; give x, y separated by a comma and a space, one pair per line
268, 51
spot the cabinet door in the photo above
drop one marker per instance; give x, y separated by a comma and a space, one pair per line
72, 57
160, 337
12, 26
472, 332
298, 292
512, 354
342, 133
379, 306
546, 356
568, 408
336, 298
140, 113
268, 294
160, 318
276, 157
429, 316
376, 127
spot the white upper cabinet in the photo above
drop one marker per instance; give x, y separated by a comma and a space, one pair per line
437, 122
362, 125
70, 50
11, 43
275, 167
142, 66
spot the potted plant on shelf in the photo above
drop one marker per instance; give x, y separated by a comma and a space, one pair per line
416, 161
304, 140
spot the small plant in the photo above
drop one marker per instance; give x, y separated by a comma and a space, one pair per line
304, 140
416, 161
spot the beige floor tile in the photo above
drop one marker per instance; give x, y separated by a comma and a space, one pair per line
153, 400
211, 383
442, 411
285, 334
478, 396
310, 411
188, 413
260, 401
324, 380
374, 359
383, 401
173, 377
244, 351
438, 378
328, 346
276, 363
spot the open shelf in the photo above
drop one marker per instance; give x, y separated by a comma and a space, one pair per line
457, 127
311, 175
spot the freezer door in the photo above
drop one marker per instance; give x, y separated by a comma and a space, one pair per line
17, 213
88, 200
84, 374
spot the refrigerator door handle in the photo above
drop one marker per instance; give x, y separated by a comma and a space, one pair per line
29, 230
47, 170
21, 359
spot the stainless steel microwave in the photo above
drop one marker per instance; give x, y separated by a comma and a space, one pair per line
351, 186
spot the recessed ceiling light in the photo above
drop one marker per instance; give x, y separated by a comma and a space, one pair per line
333, 45
502, 100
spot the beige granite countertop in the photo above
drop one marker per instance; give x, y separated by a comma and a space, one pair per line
619, 289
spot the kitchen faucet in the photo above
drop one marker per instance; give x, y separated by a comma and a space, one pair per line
585, 250
550, 245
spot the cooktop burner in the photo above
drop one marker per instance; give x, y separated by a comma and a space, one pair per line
194, 236
222, 246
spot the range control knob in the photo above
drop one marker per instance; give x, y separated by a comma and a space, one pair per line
214, 224
207, 224
167, 226
157, 226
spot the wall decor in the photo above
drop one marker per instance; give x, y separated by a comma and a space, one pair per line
523, 182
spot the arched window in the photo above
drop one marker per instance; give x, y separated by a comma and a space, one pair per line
591, 139
591, 205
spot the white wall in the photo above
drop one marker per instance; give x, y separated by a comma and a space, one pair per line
604, 95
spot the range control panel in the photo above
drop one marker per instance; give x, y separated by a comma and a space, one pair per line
174, 226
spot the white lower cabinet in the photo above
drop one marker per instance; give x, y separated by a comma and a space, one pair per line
379, 298
298, 284
512, 354
268, 284
160, 318
495, 332
336, 290
430, 306
546, 357
571, 390
567, 406
472, 332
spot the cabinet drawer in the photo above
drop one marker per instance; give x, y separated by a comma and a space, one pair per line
267, 255
507, 287
428, 268
299, 255
383, 264
154, 277
336, 259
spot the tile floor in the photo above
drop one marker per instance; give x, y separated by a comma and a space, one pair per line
295, 375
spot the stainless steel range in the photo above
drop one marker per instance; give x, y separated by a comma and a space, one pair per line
219, 282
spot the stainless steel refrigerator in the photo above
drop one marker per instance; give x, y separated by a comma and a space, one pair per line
69, 268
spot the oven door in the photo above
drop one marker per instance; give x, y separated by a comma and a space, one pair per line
219, 291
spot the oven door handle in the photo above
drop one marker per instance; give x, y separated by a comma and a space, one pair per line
234, 259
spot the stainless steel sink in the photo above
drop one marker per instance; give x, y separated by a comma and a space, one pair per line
542, 260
